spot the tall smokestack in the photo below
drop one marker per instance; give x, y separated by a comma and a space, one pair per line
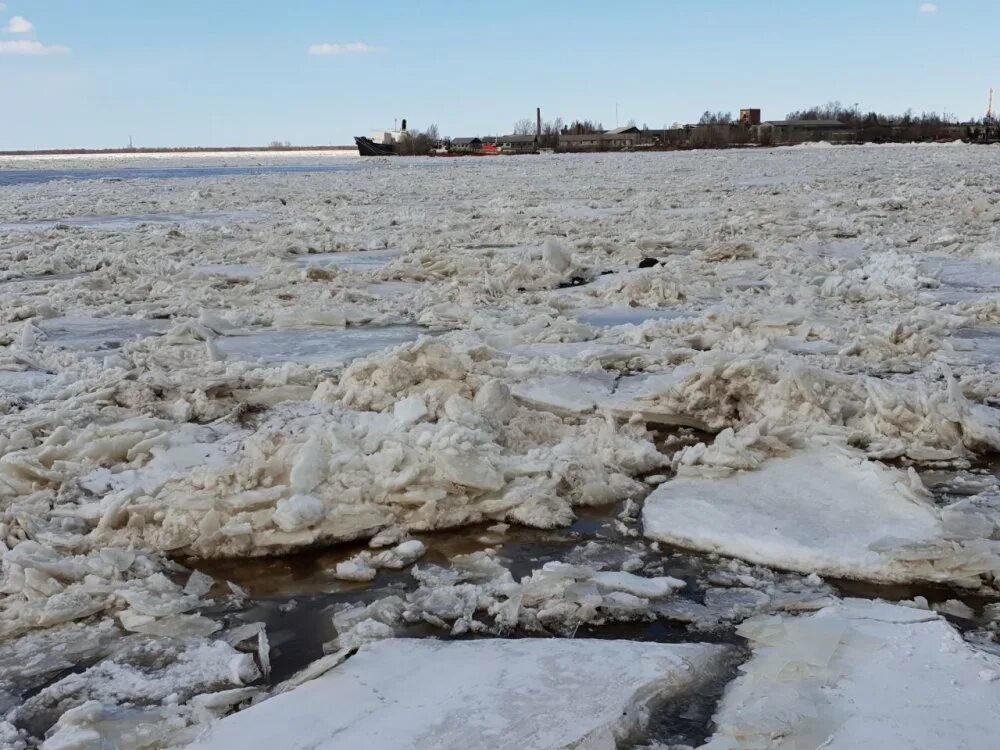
538, 123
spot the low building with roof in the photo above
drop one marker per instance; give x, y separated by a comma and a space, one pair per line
466, 144
627, 137
518, 143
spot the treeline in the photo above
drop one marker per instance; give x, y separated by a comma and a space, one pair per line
855, 117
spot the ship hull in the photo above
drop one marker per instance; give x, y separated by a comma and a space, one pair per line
368, 147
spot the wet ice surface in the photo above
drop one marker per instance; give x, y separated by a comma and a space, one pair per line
981, 345
780, 361
92, 336
620, 316
964, 273
229, 270
359, 260
318, 347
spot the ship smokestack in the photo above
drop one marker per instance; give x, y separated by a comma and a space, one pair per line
538, 122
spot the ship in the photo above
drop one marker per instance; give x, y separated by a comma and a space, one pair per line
368, 147
381, 142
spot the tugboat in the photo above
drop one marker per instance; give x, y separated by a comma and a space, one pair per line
381, 143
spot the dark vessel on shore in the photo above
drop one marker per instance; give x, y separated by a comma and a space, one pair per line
381, 143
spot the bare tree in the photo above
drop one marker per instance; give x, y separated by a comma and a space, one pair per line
524, 127
583, 127
416, 143
550, 133
716, 118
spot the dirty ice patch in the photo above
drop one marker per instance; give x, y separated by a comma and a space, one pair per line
528, 694
316, 347
822, 510
859, 674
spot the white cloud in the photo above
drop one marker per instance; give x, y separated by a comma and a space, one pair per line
31, 48
19, 25
331, 50
928, 8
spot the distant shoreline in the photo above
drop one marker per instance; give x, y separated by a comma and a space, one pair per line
164, 150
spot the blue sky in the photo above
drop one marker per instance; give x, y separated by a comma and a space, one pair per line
240, 72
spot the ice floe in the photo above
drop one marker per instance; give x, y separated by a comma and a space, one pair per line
859, 674
519, 694
823, 509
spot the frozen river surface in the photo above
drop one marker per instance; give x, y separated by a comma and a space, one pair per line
723, 423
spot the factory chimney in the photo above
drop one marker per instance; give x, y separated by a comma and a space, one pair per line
538, 122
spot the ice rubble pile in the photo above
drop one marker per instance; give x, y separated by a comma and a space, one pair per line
557, 598
316, 473
921, 422
152, 675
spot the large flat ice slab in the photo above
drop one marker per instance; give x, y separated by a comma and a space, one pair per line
621, 397
324, 347
526, 694
963, 273
95, 335
860, 674
239, 271
360, 259
820, 510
